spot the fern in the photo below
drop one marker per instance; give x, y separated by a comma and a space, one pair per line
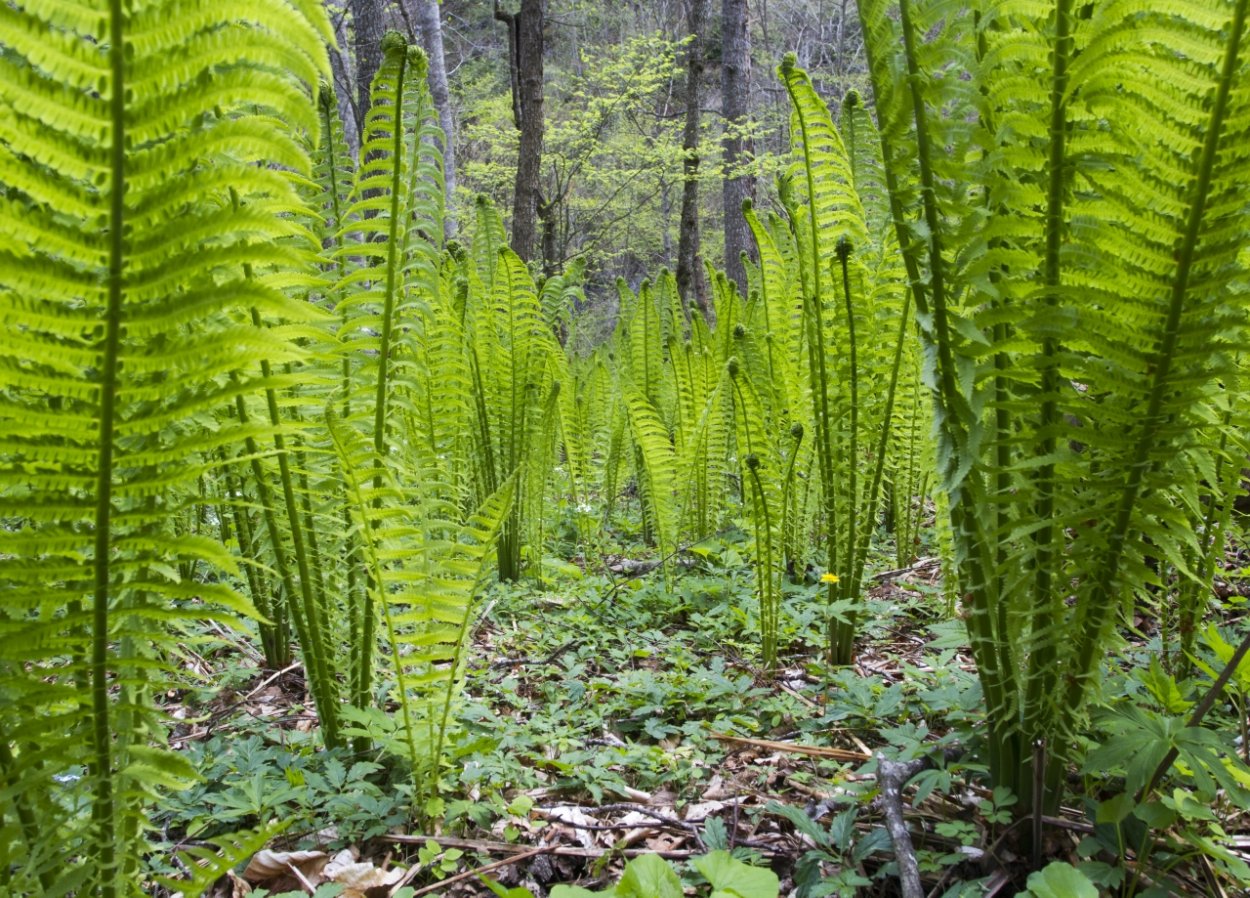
424, 568
375, 253
516, 369
123, 136
855, 323
763, 474
657, 465
1085, 233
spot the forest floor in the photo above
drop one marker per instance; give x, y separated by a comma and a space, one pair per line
606, 716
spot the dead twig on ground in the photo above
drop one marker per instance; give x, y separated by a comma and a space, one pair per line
815, 751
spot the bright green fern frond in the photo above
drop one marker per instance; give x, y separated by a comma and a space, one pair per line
656, 471
425, 567
703, 460
763, 472
824, 174
489, 237
134, 154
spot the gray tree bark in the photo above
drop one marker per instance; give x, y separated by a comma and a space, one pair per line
429, 25
341, 71
368, 26
525, 58
735, 92
690, 282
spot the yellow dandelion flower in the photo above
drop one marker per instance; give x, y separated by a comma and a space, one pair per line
829, 578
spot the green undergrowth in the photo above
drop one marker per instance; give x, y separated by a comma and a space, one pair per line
591, 689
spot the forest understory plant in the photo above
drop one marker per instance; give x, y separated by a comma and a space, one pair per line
234, 361
1075, 260
856, 320
136, 198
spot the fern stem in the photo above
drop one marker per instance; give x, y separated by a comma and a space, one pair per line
761, 518
1191, 601
872, 500
790, 513
354, 602
813, 307
272, 644
316, 627
316, 684
1047, 602
25, 814
364, 673
316, 647
765, 573
376, 577
997, 678
845, 629
1002, 331
103, 808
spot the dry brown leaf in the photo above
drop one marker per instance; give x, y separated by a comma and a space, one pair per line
344, 858
716, 788
641, 825
665, 842
238, 887
577, 819
704, 809
360, 879
267, 864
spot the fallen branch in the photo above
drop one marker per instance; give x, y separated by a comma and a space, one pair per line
893, 776
815, 751
918, 565
518, 850
470, 874
661, 819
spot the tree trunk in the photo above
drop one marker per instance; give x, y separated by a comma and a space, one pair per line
690, 283
547, 215
341, 71
367, 27
525, 60
735, 87
430, 31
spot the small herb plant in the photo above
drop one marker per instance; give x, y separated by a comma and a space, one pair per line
650, 876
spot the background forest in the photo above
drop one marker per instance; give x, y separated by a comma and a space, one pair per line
639, 100
672, 448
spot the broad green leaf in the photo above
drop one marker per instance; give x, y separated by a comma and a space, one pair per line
1114, 809
730, 878
1060, 880
803, 823
648, 876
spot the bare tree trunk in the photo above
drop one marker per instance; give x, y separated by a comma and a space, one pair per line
547, 215
690, 283
367, 28
341, 71
429, 25
735, 92
525, 59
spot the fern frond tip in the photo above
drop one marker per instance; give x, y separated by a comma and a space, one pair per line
394, 41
